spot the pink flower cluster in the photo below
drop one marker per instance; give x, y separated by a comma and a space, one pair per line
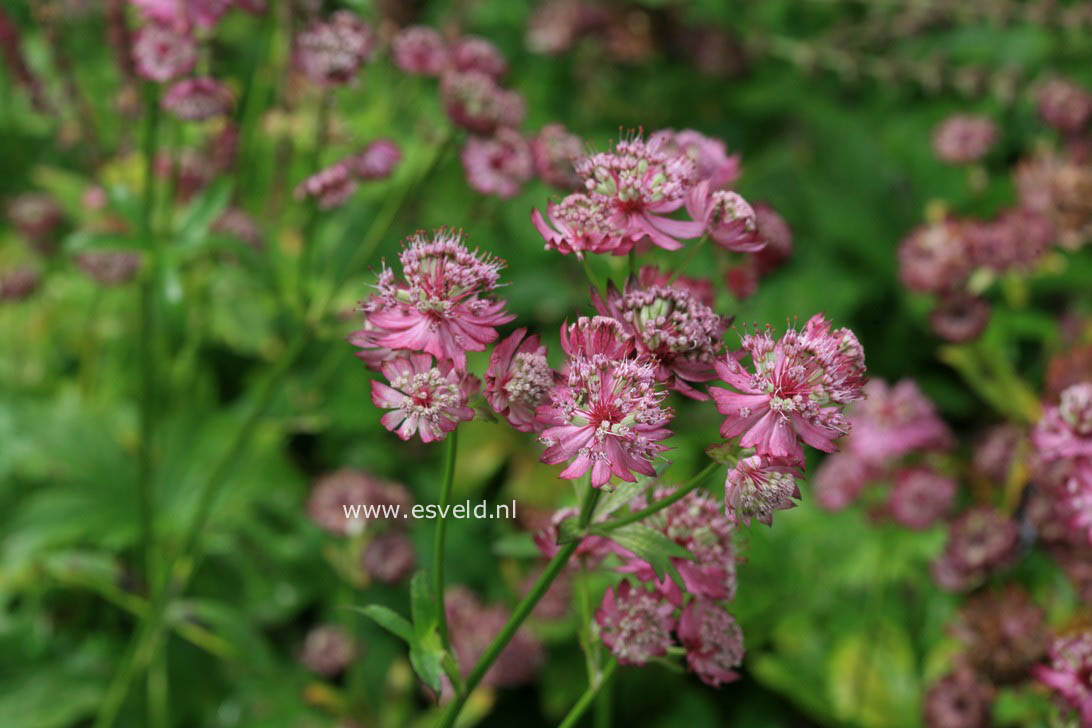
896, 429
333, 186
442, 307
641, 621
1067, 673
1063, 447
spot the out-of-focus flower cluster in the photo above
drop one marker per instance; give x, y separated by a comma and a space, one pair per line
956, 258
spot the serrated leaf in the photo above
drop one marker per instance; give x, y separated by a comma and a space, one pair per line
389, 620
648, 544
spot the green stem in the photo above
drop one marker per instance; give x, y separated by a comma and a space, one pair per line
524, 608
588, 272
441, 533
603, 705
632, 263
691, 254
585, 701
659, 505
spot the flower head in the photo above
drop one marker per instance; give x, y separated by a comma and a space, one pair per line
555, 151
198, 99
442, 306
934, 258
840, 480
893, 421
424, 398
598, 336
1067, 673
607, 416
389, 557
1016, 240
727, 218
963, 138
163, 53
183, 13
670, 328
328, 650
1065, 431
921, 497
709, 155
330, 187
580, 224
758, 486
635, 624
1064, 105
474, 101
649, 276
713, 641
1003, 633
958, 700
471, 53
421, 50
497, 165
335, 494
637, 184
960, 317
980, 540
377, 160
110, 267
18, 284
777, 234
518, 379
331, 52
795, 393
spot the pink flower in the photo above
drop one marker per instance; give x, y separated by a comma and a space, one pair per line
498, 165
518, 379
471, 53
960, 316
921, 497
182, 13
1064, 105
713, 641
442, 307
892, 421
635, 624
424, 398
698, 524
580, 225
840, 480
637, 185
421, 50
797, 390
18, 284
331, 52
671, 328
963, 138
1065, 431
389, 557
592, 549
709, 155
979, 541
758, 486
960, 699
598, 336
377, 160
934, 258
607, 416
198, 99
162, 53
649, 276
555, 152
778, 236
1068, 671
110, 267
726, 218
330, 187
474, 101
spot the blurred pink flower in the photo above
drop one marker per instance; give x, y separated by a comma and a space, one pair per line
162, 53
894, 420
635, 624
921, 497
497, 165
330, 187
1068, 670
474, 101
713, 642
963, 138
555, 152
425, 399
331, 52
726, 218
420, 49
709, 155
471, 53
198, 99
376, 161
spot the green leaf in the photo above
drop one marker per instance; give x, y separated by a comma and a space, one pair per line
389, 620
872, 679
83, 240
517, 546
648, 544
202, 212
422, 605
428, 662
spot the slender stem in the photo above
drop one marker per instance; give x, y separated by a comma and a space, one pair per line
659, 505
603, 705
158, 692
691, 254
585, 701
632, 263
524, 608
588, 272
146, 640
441, 533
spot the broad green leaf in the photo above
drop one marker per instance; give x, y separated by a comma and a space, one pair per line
203, 211
422, 605
648, 544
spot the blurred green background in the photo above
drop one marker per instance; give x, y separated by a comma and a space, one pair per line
831, 104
